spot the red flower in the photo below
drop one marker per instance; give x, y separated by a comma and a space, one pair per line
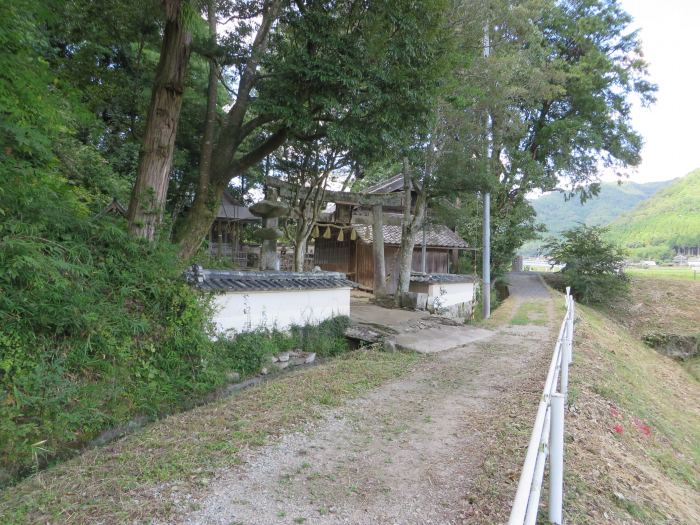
618, 429
643, 427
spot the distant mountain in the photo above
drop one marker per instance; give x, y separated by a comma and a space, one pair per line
558, 214
668, 219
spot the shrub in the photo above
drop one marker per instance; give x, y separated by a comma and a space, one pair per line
326, 340
592, 266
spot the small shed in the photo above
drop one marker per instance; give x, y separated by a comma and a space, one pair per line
249, 300
225, 234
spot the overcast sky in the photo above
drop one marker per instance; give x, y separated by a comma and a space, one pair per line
670, 33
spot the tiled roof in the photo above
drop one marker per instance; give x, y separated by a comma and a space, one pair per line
391, 185
231, 209
437, 236
248, 281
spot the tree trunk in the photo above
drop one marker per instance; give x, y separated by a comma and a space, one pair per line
409, 227
225, 164
210, 118
378, 251
155, 158
299, 255
194, 226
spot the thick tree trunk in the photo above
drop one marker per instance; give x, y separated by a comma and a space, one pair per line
405, 263
194, 226
378, 251
409, 226
155, 159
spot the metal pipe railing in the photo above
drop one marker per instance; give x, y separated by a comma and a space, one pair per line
547, 438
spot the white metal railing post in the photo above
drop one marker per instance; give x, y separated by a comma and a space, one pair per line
547, 438
564, 378
556, 459
572, 315
533, 502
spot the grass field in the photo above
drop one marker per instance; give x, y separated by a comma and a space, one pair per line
663, 272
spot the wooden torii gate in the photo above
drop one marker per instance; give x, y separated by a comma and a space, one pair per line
376, 201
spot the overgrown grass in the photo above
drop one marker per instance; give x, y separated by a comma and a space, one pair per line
98, 327
135, 478
693, 367
634, 453
500, 282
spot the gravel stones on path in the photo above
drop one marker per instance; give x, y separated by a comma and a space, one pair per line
407, 453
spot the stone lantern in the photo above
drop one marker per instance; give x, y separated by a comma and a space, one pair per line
270, 211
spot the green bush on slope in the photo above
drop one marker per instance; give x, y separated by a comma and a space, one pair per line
95, 326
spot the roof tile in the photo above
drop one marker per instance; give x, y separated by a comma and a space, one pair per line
437, 236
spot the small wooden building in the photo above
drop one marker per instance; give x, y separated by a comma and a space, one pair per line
355, 258
225, 234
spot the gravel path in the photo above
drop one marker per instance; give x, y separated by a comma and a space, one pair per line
407, 453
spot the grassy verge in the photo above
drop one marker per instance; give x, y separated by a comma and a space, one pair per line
530, 313
44, 431
633, 453
657, 305
137, 478
686, 274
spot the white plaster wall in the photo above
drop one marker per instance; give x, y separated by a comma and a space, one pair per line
454, 293
280, 309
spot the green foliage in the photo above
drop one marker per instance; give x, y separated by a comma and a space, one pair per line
592, 265
367, 72
248, 352
669, 219
327, 339
511, 225
557, 213
95, 327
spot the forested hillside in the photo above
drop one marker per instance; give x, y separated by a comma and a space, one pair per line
559, 214
669, 219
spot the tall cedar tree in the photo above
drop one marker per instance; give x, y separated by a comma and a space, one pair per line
155, 160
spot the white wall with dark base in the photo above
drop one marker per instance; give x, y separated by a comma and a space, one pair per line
280, 309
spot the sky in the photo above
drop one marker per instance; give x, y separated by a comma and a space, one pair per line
670, 34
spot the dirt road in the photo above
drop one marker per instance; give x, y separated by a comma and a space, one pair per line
427, 449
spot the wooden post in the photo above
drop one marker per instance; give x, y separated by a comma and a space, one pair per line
378, 250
